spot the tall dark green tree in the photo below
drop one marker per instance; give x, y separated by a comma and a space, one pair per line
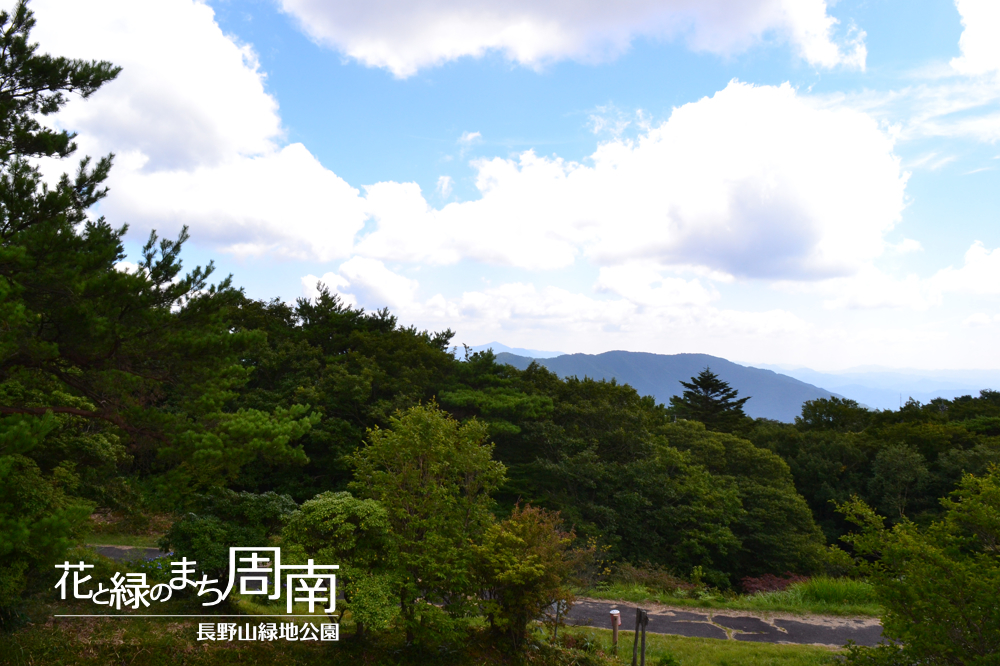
711, 401
143, 360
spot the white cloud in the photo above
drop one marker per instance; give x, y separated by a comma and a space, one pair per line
368, 282
640, 318
644, 284
187, 95
753, 182
906, 246
404, 37
126, 267
444, 186
469, 138
198, 137
980, 319
871, 288
980, 273
284, 204
979, 44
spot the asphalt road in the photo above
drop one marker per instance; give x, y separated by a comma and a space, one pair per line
732, 625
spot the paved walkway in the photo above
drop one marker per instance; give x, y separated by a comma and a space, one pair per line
732, 625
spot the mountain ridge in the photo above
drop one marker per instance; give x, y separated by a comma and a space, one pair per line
772, 395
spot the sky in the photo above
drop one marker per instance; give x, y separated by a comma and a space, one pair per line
800, 182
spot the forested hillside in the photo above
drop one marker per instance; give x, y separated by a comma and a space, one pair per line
345, 434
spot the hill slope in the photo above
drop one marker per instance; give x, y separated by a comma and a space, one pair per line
773, 395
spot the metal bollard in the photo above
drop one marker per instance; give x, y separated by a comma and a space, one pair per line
616, 619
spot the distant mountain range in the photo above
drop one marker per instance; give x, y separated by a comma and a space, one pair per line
773, 395
519, 351
888, 388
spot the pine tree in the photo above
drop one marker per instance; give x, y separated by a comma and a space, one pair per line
143, 359
711, 401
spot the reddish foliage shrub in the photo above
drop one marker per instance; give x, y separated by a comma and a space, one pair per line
770, 582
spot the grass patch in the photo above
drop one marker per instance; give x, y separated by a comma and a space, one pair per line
683, 651
167, 642
820, 595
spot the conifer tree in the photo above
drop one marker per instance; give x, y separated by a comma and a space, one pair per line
711, 401
143, 358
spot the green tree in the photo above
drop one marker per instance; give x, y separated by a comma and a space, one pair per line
898, 474
524, 565
711, 401
338, 528
434, 476
226, 519
938, 585
837, 414
775, 529
136, 366
355, 368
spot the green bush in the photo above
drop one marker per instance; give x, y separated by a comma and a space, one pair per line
524, 565
338, 528
939, 584
38, 523
228, 519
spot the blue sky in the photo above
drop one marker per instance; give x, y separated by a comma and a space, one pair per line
774, 181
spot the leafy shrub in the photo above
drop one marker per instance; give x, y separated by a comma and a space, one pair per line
653, 577
938, 584
229, 519
338, 528
38, 522
524, 565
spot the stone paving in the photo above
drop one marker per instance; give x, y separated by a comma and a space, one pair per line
732, 625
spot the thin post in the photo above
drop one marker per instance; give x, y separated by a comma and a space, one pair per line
635, 637
645, 621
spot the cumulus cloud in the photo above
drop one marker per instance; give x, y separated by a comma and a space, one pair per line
404, 37
753, 182
871, 288
187, 95
644, 284
663, 309
979, 45
980, 274
284, 204
368, 282
198, 138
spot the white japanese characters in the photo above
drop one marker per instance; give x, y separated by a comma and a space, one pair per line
267, 631
258, 570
